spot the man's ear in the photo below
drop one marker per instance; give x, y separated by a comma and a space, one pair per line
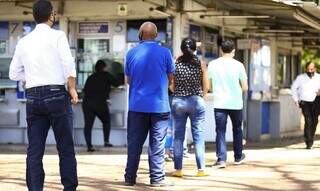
51, 18
140, 35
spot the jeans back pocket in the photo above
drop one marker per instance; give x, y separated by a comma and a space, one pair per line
56, 105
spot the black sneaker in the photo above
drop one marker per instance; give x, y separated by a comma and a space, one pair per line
162, 183
220, 164
129, 183
107, 144
240, 160
309, 147
90, 149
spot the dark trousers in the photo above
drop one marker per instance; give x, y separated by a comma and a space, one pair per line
50, 106
310, 111
221, 117
91, 109
139, 125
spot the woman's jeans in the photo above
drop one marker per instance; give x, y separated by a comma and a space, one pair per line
194, 108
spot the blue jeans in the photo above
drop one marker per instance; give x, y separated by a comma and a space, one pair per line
50, 106
194, 108
221, 116
139, 125
170, 138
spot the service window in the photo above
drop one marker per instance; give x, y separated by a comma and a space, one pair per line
288, 67
90, 50
4, 37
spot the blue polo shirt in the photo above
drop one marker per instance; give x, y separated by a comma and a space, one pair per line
148, 65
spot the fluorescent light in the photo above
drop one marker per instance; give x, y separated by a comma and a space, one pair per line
237, 16
300, 16
273, 30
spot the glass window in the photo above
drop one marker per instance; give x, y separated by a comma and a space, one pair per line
4, 68
285, 69
195, 32
211, 43
4, 72
28, 26
3, 46
89, 52
4, 36
4, 30
260, 61
86, 28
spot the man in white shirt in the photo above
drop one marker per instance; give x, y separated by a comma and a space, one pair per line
228, 82
43, 60
305, 93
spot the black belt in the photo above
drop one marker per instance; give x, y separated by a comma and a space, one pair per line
51, 87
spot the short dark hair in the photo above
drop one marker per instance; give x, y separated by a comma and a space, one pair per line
100, 65
42, 10
308, 64
227, 46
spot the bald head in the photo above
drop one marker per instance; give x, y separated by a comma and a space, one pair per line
148, 31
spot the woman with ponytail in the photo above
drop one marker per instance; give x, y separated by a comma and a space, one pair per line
189, 88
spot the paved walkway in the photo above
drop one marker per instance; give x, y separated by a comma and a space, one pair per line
272, 165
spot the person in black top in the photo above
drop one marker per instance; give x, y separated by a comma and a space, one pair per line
96, 93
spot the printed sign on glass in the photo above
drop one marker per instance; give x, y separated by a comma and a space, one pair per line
93, 28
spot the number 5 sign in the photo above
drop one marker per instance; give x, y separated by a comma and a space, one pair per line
119, 27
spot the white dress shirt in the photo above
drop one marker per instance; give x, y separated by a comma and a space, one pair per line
43, 57
305, 88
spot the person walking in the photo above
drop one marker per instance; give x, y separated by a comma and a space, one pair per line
228, 81
190, 86
43, 60
149, 69
96, 92
306, 95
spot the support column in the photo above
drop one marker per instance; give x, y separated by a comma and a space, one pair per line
63, 24
273, 47
180, 31
176, 34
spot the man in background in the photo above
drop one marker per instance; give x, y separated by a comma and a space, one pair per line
305, 93
96, 93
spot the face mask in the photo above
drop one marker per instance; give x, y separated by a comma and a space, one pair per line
54, 19
310, 74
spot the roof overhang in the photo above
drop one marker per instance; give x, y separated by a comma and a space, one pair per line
292, 20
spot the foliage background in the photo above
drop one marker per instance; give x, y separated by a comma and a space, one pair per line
311, 55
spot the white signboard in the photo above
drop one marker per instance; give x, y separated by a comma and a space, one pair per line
119, 43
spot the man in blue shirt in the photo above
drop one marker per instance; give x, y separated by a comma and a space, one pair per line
149, 70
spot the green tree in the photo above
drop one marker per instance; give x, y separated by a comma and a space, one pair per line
312, 55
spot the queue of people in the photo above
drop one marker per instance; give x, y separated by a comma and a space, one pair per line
150, 71
43, 60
